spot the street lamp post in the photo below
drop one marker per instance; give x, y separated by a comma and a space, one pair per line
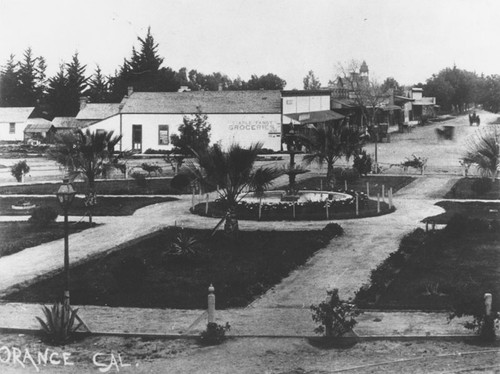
65, 195
375, 127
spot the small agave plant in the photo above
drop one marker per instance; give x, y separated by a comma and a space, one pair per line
60, 323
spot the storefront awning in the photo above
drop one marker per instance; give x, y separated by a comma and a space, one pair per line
314, 117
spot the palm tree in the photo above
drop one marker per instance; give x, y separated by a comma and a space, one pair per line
85, 153
233, 172
328, 143
483, 150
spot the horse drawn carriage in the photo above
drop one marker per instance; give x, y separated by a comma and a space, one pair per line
474, 118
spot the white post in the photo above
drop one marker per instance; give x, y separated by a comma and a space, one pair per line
345, 184
22, 177
206, 206
260, 208
368, 189
383, 193
327, 215
390, 198
487, 304
378, 203
211, 304
357, 204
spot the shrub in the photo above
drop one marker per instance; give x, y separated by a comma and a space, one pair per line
151, 168
214, 334
336, 317
332, 230
19, 169
59, 325
43, 216
184, 245
481, 324
346, 174
481, 186
362, 163
140, 178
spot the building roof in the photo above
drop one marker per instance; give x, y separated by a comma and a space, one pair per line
20, 114
41, 127
38, 121
224, 102
315, 117
98, 111
321, 92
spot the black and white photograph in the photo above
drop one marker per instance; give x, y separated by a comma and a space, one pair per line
249, 186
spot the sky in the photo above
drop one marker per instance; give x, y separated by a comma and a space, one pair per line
407, 40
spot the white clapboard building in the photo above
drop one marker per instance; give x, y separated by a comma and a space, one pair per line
147, 120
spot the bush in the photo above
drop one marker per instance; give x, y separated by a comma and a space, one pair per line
43, 216
151, 168
336, 317
184, 245
362, 163
19, 169
214, 334
481, 186
140, 178
332, 230
482, 325
346, 174
59, 325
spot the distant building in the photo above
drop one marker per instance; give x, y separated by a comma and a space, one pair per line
13, 122
148, 119
39, 130
418, 107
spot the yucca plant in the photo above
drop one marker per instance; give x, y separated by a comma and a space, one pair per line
483, 150
59, 325
184, 245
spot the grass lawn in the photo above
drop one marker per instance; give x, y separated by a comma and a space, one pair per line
443, 271
106, 206
462, 190
144, 276
16, 236
471, 209
376, 182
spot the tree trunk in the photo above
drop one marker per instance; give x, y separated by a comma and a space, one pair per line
330, 177
231, 224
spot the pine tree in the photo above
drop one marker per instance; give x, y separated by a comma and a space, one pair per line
57, 94
77, 84
28, 79
9, 84
98, 87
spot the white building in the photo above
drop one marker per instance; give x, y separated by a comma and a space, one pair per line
13, 122
147, 120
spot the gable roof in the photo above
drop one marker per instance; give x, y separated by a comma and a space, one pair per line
20, 114
98, 111
38, 121
224, 102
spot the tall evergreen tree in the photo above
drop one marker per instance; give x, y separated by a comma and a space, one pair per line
57, 94
98, 87
9, 84
29, 80
76, 82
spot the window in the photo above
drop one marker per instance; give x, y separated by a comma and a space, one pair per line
163, 135
12, 128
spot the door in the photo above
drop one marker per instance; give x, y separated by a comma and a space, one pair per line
137, 138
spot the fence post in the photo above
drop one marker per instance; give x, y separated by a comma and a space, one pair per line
321, 184
383, 193
378, 203
368, 189
488, 329
345, 184
211, 304
390, 198
357, 204
260, 208
327, 215
206, 206
293, 209
192, 200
